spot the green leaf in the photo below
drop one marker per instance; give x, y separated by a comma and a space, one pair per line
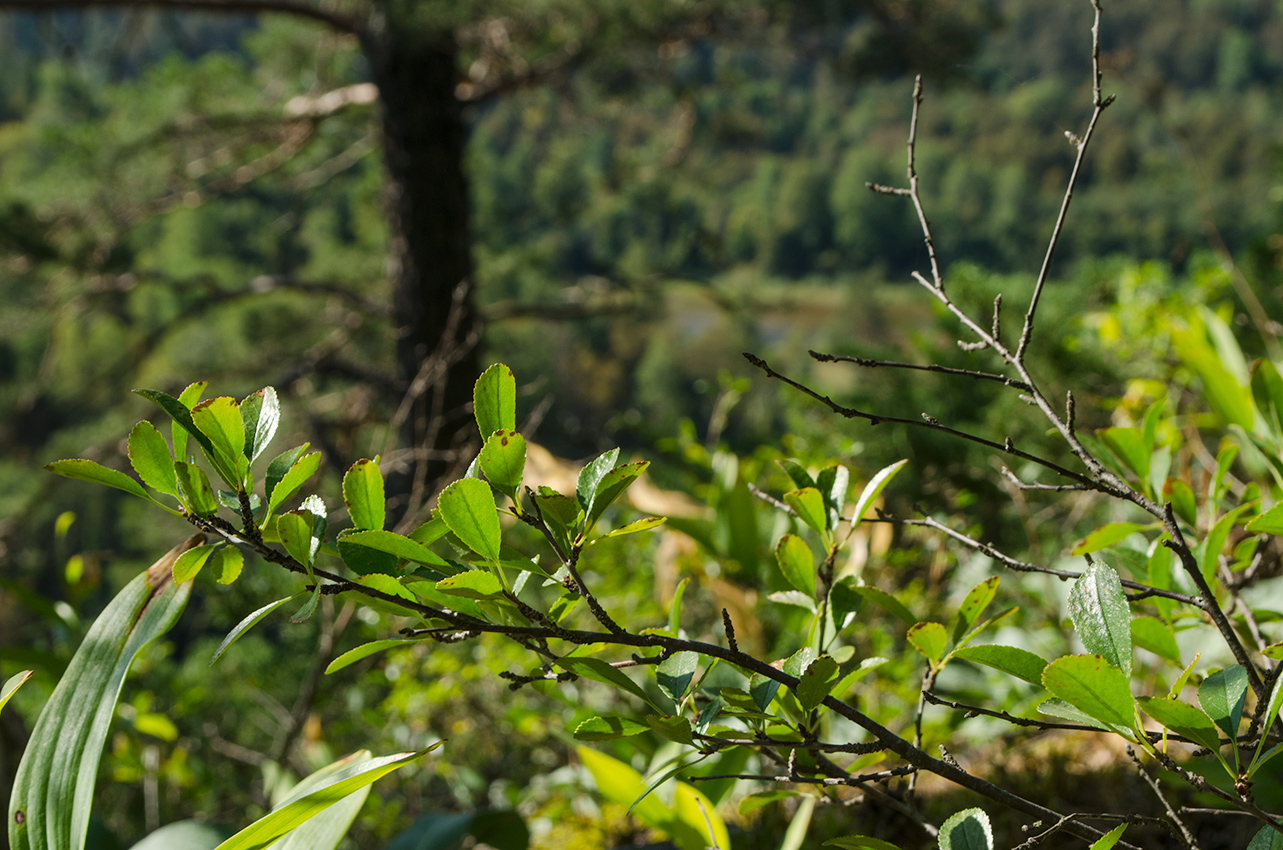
1274, 650
278, 467
393, 544
190, 562
591, 475
1267, 392
220, 420
193, 485
87, 470
186, 400
299, 471
860, 842
887, 602
797, 474
295, 530
967, 830
760, 800
637, 525
307, 802
762, 690
365, 650
1095, 686
149, 456
494, 400
1181, 495
834, 482
844, 601
930, 639
1156, 636
1020, 663
607, 728
1270, 522
363, 494
975, 602
1222, 695
797, 563
1106, 536
612, 486
227, 564
673, 727
1216, 541
814, 685
366, 560
184, 835
874, 488
1224, 460
1109, 839
1128, 445
674, 675
686, 821
12, 684
246, 624
304, 613
1268, 838
1183, 719
260, 414
54, 785
468, 508
1101, 616
599, 671
326, 829
1272, 709
675, 609
808, 504
473, 584
503, 460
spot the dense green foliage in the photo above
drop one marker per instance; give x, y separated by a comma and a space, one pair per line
638, 224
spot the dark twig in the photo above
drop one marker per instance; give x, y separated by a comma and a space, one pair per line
948, 370
1186, 838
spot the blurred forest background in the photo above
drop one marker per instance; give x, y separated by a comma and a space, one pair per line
203, 196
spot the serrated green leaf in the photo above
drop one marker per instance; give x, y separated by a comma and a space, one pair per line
608, 728
860, 842
599, 671
1020, 663
260, 415
1222, 695
674, 675
473, 584
1095, 686
808, 504
190, 562
930, 639
227, 564
246, 624
1183, 719
295, 531
178, 431
1101, 616
612, 486
503, 460
298, 473
494, 400
467, 506
53, 787
1156, 636
365, 650
968, 829
219, 419
86, 470
363, 494
673, 727
797, 563
1109, 839
193, 486
874, 488
11, 686
816, 682
307, 802
1106, 536
591, 475
973, 604
149, 456
887, 602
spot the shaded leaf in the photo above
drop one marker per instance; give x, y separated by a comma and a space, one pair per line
599, 671
1128, 445
930, 639
753, 802
887, 602
797, 563
968, 829
762, 690
193, 485
674, 675
1181, 495
820, 677
1222, 695
612, 486
675, 728
1156, 636
1270, 522
1106, 536
1268, 838
860, 842
1183, 719
1009, 659
246, 624
394, 544
179, 431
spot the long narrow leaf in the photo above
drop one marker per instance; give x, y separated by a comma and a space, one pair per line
49, 808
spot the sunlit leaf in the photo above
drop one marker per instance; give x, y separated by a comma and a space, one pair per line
674, 675
816, 682
299, 471
1020, 663
227, 564
874, 489
503, 460
797, 563
1109, 839
260, 414
220, 420
365, 650
608, 727
930, 639
612, 486
246, 624
494, 400
1101, 616
975, 602
646, 524
87, 470
1183, 719
1107, 535
591, 475
1222, 695
190, 562
808, 504
149, 455
473, 584
11, 686
468, 508
363, 494
1093, 685
860, 842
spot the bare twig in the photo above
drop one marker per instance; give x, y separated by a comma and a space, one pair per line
948, 370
